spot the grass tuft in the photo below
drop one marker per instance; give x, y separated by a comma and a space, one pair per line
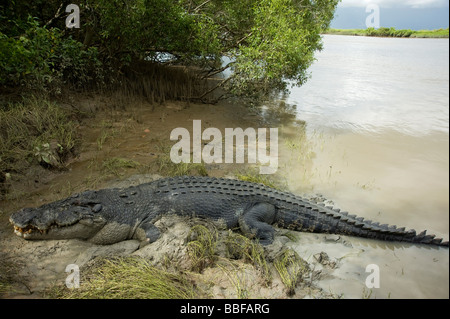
166, 167
202, 249
252, 175
241, 247
291, 268
116, 165
130, 278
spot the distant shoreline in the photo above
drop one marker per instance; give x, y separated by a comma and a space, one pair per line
391, 32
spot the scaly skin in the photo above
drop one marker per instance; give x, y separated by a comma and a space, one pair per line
111, 215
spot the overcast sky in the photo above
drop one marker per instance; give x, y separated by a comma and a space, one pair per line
400, 14
396, 3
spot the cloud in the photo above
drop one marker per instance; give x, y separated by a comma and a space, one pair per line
396, 3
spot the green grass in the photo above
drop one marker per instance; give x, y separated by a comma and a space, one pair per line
116, 165
202, 249
360, 32
392, 32
235, 273
166, 167
440, 33
252, 175
241, 247
34, 130
130, 278
291, 269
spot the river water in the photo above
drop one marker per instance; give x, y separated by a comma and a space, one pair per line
377, 134
373, 85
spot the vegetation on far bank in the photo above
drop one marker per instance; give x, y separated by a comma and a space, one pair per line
391, 32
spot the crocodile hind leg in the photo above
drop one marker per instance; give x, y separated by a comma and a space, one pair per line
255, 222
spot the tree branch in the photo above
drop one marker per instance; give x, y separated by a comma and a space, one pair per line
221, 83
212, 73
201, 5
57, 15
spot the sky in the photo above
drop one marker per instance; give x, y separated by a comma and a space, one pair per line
400, 14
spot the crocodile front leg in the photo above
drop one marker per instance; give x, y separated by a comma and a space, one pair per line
255, 222
147, 233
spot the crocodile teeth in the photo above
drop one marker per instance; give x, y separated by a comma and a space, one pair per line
28, 230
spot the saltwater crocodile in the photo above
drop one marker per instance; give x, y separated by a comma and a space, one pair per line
108, 216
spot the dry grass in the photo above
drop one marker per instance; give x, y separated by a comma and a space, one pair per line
156, 84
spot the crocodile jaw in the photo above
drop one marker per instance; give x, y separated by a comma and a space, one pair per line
83, 229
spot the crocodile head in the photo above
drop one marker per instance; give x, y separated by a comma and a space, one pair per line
59, 220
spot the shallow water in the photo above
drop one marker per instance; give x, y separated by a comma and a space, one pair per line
377, 118
371, 85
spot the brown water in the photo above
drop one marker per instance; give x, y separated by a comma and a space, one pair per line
382, 178
377, 144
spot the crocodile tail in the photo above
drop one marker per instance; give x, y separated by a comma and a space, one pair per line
320, 219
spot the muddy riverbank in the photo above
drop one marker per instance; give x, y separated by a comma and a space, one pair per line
130, 144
